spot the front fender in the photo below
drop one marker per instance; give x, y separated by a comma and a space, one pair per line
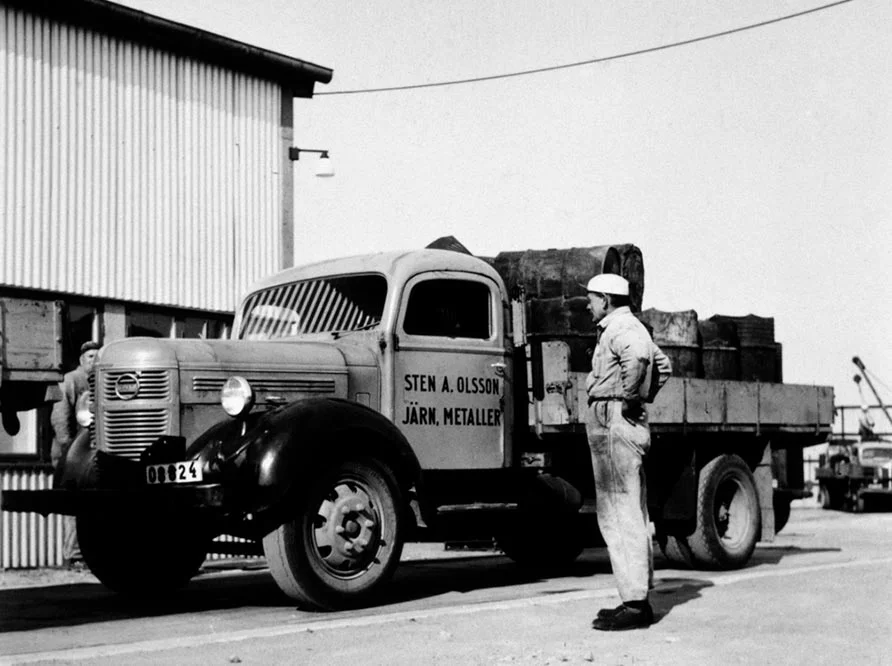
287, 447
87, 468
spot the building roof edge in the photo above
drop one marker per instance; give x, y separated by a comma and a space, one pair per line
140, 27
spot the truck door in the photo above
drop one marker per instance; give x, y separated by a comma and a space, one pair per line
451, 372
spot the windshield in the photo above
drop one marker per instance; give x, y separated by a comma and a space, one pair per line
876, 454
324, 305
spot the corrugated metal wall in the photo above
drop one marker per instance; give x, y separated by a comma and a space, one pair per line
28, 540
129, 173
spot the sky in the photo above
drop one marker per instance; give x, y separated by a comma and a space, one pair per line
754, 170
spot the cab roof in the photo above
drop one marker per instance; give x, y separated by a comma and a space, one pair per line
398, 266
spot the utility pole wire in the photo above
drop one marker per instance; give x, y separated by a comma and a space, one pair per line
593, 61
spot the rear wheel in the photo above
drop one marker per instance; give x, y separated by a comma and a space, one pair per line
345, 540
542, 541
141, 553
729, 521
547, 530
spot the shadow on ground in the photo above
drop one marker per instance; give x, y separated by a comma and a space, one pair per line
771, 554
672, 592
32, 608
84, 603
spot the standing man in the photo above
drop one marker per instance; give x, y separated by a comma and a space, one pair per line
65, 429
627, 371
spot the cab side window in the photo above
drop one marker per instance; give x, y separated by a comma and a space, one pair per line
450, 309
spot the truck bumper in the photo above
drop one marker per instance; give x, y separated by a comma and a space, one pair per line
71, 502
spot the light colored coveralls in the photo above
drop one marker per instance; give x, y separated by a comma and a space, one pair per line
626, 365
65, 428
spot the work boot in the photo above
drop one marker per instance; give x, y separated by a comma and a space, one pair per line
626, 618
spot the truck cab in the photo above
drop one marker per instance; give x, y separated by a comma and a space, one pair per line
437, 340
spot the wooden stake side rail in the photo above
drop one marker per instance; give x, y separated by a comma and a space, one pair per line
705, 405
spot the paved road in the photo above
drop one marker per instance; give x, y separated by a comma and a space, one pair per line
820, 594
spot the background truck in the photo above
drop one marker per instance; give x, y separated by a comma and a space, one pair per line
399, 396
855, 473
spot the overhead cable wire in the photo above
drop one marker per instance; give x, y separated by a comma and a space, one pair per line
593, 61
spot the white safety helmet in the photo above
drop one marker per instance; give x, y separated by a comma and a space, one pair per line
609, 283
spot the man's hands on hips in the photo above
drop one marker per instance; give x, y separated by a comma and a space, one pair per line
632, 410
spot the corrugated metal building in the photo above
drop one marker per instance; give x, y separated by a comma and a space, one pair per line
145, 181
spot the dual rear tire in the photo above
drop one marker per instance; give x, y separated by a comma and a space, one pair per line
729, 521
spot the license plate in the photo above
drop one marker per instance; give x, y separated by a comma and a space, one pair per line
188, 471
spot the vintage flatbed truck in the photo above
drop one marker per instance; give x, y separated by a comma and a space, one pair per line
391, 397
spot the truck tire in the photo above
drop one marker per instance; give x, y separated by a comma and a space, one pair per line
676, 550
141, 554
729, 520
830, 499
542, 541
345, 539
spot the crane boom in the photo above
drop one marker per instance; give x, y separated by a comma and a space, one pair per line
860, 365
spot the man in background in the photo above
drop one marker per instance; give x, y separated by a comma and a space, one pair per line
65, 429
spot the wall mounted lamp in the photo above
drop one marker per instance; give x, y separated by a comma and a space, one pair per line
323, 166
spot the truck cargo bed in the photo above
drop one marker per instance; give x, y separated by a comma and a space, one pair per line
706, 405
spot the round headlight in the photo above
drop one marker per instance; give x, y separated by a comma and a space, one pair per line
237, 396
83, 411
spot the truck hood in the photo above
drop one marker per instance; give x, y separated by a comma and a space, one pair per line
232, 355
285, 369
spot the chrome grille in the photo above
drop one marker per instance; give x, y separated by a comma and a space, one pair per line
128, 433
91, 381
304, 385
153, 384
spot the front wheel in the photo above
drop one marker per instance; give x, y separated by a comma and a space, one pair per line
345, 539
729, 520
141, 554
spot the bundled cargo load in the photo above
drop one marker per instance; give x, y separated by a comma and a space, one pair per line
741, 347
720, 349
553, 282
554, 273
677, 334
